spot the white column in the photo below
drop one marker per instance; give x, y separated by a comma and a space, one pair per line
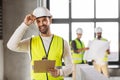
38, 3
41, 3
44, 3
1, 60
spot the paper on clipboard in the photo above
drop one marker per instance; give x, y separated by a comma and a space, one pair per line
42, 66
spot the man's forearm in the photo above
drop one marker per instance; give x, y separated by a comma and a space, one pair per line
16, 37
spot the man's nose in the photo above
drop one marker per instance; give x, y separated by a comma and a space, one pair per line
40, 23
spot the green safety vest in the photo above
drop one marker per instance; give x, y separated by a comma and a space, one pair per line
106, 54
78, 57
55, 52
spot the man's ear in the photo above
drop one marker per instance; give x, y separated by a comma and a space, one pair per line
51, 19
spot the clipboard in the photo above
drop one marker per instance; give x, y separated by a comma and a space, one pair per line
42, 66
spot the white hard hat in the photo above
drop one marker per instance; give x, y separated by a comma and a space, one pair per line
98, 29
79, 30
41, 11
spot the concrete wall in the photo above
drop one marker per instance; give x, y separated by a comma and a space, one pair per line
1, 60
16, 65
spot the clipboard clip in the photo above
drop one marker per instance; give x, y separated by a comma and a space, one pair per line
44, 58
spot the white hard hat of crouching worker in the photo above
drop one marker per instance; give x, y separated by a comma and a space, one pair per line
79, 30
41, 11
98, 30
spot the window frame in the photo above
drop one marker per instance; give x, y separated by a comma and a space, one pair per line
94, 20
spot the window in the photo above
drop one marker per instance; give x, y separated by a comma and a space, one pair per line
107, 8
81, 8
59, 8
89, 14
61, 29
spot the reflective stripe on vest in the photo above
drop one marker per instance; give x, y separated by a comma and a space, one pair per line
78, 57
55, 52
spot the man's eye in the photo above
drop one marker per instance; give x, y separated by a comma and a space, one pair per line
38, 21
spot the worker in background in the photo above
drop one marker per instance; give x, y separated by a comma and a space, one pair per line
78, 48
46, 44
101, 65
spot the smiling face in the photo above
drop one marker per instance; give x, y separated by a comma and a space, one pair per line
43, 24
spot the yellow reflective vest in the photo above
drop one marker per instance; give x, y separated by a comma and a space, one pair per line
38, 51
78, 57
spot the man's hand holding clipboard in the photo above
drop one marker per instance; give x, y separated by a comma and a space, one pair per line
43, 66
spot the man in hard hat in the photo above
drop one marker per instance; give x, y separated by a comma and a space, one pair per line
45, 45
101, 64
78, 48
